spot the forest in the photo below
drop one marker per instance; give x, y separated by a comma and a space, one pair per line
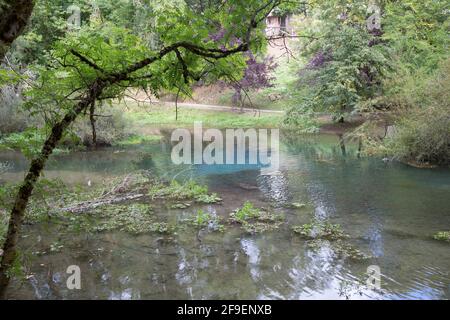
224, 149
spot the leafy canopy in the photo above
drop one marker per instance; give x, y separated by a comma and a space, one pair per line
184, 52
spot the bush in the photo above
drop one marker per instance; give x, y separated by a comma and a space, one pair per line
423, 137
423, 129
110, 128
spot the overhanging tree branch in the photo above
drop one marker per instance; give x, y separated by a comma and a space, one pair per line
94, 92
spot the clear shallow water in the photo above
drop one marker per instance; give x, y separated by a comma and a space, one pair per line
389, 210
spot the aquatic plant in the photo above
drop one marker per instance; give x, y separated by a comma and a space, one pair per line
255, 220
442, 236
208, 198
204, 219
247, 212
189, 190
201, 219
340, 249
320, 230
136, 218
56, 247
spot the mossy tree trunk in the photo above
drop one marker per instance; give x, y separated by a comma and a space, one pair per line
26, 189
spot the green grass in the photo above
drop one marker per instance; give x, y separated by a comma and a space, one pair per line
164, 117
136, 139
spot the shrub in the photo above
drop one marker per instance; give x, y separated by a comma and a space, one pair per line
423, 129
110, 128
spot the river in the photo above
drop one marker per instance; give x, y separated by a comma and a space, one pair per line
390, 211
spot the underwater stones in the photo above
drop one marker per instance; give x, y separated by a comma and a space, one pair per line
341, 249
260, 227
247, 186
297, 205
208, 198
180, 205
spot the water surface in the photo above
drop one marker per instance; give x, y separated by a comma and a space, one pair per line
389, 210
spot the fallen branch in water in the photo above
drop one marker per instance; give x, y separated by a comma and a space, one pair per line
128, 189
93, 204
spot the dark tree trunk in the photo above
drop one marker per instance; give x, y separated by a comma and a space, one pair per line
92, 119
14, 17
25, 191
342, 145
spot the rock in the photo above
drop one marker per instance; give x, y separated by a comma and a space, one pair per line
298, 205
180, 206
246, 186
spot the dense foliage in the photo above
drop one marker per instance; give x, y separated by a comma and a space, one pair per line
351, 66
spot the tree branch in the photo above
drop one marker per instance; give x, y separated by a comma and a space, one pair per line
86, 60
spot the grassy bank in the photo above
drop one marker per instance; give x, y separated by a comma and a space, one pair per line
159, 116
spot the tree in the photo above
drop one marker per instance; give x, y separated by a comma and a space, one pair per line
346, 61
418, 31
256, 76
101, 63
15, 15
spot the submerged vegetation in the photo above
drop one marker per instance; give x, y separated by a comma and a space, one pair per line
189, 190
340, 249
320, 230
204, 219
255, 220
320, 234
442, 236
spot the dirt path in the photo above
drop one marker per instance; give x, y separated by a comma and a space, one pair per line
222, 108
